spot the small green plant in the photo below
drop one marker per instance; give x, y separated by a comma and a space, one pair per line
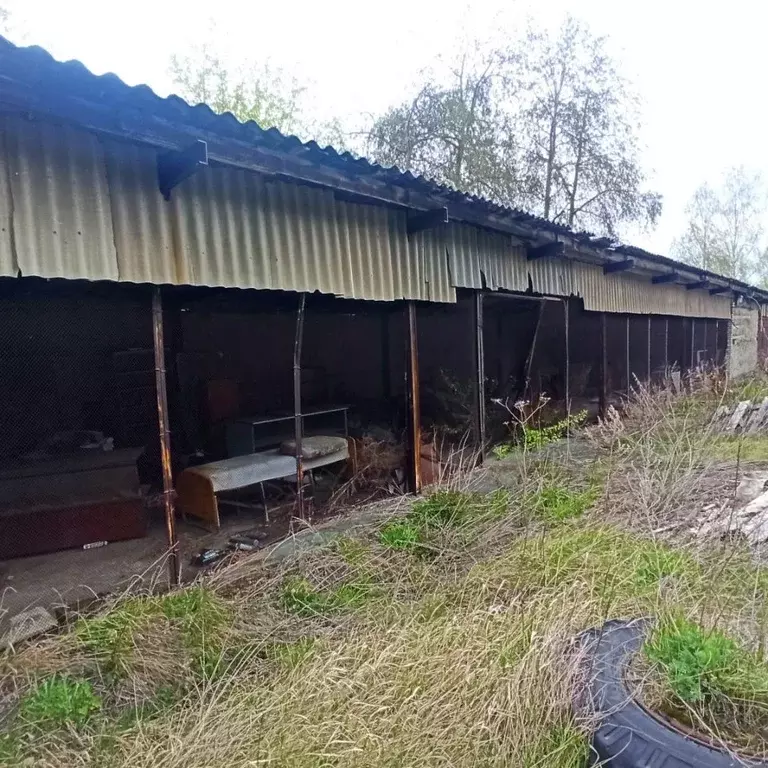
401, 534
502, 450
538, 437
554, 503
60, 701
700, 665
659, 563
300, 597
442, 508
292, 655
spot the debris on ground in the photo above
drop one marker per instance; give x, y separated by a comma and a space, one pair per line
747, 515
747, 417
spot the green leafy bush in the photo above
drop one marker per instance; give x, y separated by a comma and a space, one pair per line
700, 664
60, 701
538, 437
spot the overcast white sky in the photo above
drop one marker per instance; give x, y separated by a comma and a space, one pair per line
698, 67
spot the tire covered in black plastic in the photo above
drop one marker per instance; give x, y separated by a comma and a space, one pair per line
628, 736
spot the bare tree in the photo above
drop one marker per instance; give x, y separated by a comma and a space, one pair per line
578, 117
725, 226
547, 124
454, 132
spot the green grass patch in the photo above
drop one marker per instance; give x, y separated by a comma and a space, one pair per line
59, 701
704, 676
299, 596
292, 655
442, 510
196, 615
556, 503
743, 448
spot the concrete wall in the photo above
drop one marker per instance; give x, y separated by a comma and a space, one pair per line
742, 357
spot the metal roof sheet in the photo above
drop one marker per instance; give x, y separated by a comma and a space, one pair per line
415, 267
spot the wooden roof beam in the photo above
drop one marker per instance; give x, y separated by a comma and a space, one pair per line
546, 251
618, 266
418, 222
669, 277
699, 284
719, 289
178, 164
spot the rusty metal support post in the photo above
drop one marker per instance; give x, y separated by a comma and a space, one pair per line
298, 424
603, 394
648, 368
414, 403
478, 355
693, 344
165, 435
567, 320
629, 370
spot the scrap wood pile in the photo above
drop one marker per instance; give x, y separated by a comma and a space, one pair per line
746, 417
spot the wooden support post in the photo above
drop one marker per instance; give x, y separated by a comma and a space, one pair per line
298, 422
165, 436
603, 394
666, 345
414, 409
479, 364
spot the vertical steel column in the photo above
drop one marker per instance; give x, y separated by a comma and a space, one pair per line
386, 370
648, 369
414, 404
165, 435
706, 341
693, 343
479, 362
629, 371
298, 422
566, 315
603, 394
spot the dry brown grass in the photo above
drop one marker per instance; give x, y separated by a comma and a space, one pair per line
455, 653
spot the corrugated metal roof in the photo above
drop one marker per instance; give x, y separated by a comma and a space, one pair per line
43, 79
84, 207
62, 223
629, 293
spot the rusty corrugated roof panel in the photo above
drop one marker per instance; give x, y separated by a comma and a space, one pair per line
62, 223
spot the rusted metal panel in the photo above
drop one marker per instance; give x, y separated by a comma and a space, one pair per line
637, 295
140, 217
62, 222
